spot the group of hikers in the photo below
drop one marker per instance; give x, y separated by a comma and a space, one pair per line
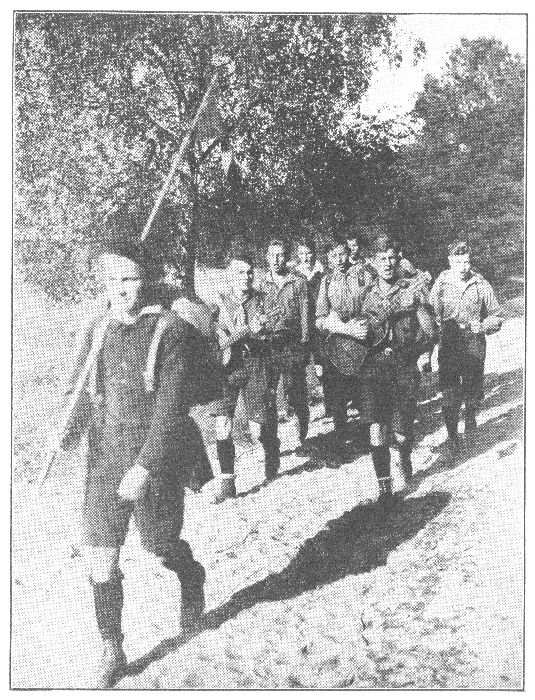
368, 322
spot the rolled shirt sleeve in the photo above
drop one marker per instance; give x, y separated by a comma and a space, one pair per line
492, 318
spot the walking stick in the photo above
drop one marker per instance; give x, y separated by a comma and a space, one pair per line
73, 408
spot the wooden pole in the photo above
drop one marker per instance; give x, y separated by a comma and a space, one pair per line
178, 158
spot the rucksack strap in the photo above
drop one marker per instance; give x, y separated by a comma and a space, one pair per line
149, 375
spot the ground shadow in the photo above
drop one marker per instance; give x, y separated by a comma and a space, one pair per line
500, 388
357, 542
361, 539
322, 456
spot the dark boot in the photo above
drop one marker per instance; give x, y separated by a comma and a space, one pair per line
470, 422
381, 464
271, 445
192, 577
193, 601
108, 600
451, 418
225, 486
405, 460
386, 497
303, 427
226, 454
381, 461
112, 664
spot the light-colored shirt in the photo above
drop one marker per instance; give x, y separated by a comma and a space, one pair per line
463, 301
286, 306
340, 293
381, 304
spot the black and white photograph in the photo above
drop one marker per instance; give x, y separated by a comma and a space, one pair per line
268, 350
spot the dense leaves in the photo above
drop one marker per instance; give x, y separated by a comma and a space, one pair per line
103, 102
465, 171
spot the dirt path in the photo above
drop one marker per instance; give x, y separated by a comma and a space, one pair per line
309, 584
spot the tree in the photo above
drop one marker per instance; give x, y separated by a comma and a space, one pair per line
465, 171
103, 101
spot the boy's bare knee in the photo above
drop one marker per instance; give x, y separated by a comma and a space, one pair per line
223, 427
378, 434
102, 563
255, 430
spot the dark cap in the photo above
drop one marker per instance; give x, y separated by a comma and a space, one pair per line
120, 236
458, 248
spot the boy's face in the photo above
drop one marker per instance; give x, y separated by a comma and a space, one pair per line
338, 257
174, 278
240, 276
276, 258
460, 264
305, 255
386, 263
123, 280
353, 245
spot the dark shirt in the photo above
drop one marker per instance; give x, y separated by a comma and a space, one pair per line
125, 403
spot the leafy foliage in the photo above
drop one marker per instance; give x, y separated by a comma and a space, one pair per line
103, 101
464, 174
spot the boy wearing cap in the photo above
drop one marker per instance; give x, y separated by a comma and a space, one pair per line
467, 310
138, 459
338, 311
359, 267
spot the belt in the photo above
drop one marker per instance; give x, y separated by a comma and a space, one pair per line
279, 339
452, 325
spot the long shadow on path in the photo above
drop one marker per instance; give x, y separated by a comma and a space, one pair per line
357, 542
361, 539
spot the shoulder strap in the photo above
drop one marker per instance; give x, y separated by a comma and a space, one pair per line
149, 375
97, 341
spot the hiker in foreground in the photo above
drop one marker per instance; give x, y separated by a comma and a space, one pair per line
467, 310
402, 330
139, 457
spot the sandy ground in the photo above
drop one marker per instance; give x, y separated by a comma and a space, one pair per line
309, 583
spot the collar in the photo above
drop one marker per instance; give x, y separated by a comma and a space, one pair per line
474, 278
342, 273
399, 283
289, 279
145, 311
309, 273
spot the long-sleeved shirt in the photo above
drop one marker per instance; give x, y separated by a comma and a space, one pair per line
465, 301
234, 313
340, 293
385, 306
286, 307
